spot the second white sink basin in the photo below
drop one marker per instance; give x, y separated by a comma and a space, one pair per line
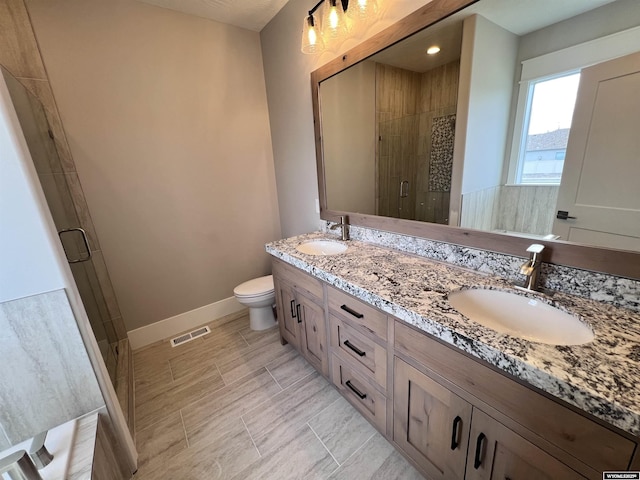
521, 317
322, 247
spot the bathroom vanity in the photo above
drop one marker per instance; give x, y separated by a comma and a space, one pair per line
457, 398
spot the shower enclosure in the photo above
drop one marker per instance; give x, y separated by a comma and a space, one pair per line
66, 202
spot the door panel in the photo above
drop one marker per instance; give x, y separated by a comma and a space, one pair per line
313, 333
600, 178
497, 453
287, 317
431, 423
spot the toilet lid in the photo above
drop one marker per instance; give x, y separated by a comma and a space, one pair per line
257, 286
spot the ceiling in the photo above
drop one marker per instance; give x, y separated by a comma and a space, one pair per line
249, 14
518, 16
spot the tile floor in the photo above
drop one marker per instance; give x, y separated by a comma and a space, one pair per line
236, 404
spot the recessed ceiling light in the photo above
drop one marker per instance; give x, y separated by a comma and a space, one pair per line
433, 50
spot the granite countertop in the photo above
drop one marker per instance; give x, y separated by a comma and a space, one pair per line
599, 377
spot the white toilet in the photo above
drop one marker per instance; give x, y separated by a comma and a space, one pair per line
259, 296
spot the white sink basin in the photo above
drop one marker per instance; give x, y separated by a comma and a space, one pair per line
322, 247
521, 317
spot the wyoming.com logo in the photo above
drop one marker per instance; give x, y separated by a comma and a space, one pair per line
621, 476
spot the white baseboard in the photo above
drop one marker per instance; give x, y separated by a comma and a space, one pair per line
171, 326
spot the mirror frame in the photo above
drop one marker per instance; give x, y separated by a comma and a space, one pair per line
605, 260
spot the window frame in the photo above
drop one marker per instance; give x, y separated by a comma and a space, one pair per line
523, 116
554, 64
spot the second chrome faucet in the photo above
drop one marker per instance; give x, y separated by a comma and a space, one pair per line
344, 224
531, 268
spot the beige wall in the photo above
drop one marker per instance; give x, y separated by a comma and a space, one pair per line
349, 139
166, 117
287, 73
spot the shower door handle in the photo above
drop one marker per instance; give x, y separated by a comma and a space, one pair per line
404, 189
84, 239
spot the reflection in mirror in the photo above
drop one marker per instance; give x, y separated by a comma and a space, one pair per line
389, 126
483, 134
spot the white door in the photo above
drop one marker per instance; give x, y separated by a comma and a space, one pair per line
601, 178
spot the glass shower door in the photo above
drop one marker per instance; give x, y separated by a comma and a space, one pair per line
55, 184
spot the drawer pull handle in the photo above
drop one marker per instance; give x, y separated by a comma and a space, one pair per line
347, 343
455, 433
351, 311
298, 312
477, 460
355, 390
293, 313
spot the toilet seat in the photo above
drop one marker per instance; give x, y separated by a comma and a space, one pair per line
257, 287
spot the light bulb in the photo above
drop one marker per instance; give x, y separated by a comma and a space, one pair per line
364, 8
311, 41
334, 24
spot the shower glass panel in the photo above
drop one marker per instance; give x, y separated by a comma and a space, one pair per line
57, 191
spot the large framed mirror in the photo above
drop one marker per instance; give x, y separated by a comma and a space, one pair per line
515, 127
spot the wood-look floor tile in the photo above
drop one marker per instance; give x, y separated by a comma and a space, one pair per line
152, 383
273, 424
232, 350
377, 460
221, 457
254, 337
208, 417
191, 365
233, 368
342, 429
179, 395
162, 439
301, 457
236, 322
289, 368
162, 351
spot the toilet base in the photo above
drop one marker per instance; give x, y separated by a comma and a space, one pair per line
261, 318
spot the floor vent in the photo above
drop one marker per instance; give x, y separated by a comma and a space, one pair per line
187, 337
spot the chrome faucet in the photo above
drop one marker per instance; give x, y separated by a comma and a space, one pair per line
344, 224
531, 268
19, 466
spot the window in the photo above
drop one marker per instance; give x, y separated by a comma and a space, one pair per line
546, 124
541, 76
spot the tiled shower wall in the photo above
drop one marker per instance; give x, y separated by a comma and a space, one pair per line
20, 55
512, 208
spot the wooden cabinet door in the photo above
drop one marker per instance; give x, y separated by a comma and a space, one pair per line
430, 423
497, 453
313, 333
287, 315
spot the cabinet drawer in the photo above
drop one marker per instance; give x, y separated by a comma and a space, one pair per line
362, 394
297, 278
347, 341
584, 439
357, 312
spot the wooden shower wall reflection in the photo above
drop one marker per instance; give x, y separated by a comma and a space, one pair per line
411, 109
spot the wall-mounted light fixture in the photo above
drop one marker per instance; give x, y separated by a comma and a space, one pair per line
334, 23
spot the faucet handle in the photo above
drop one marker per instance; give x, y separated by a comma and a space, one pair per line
535, 248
